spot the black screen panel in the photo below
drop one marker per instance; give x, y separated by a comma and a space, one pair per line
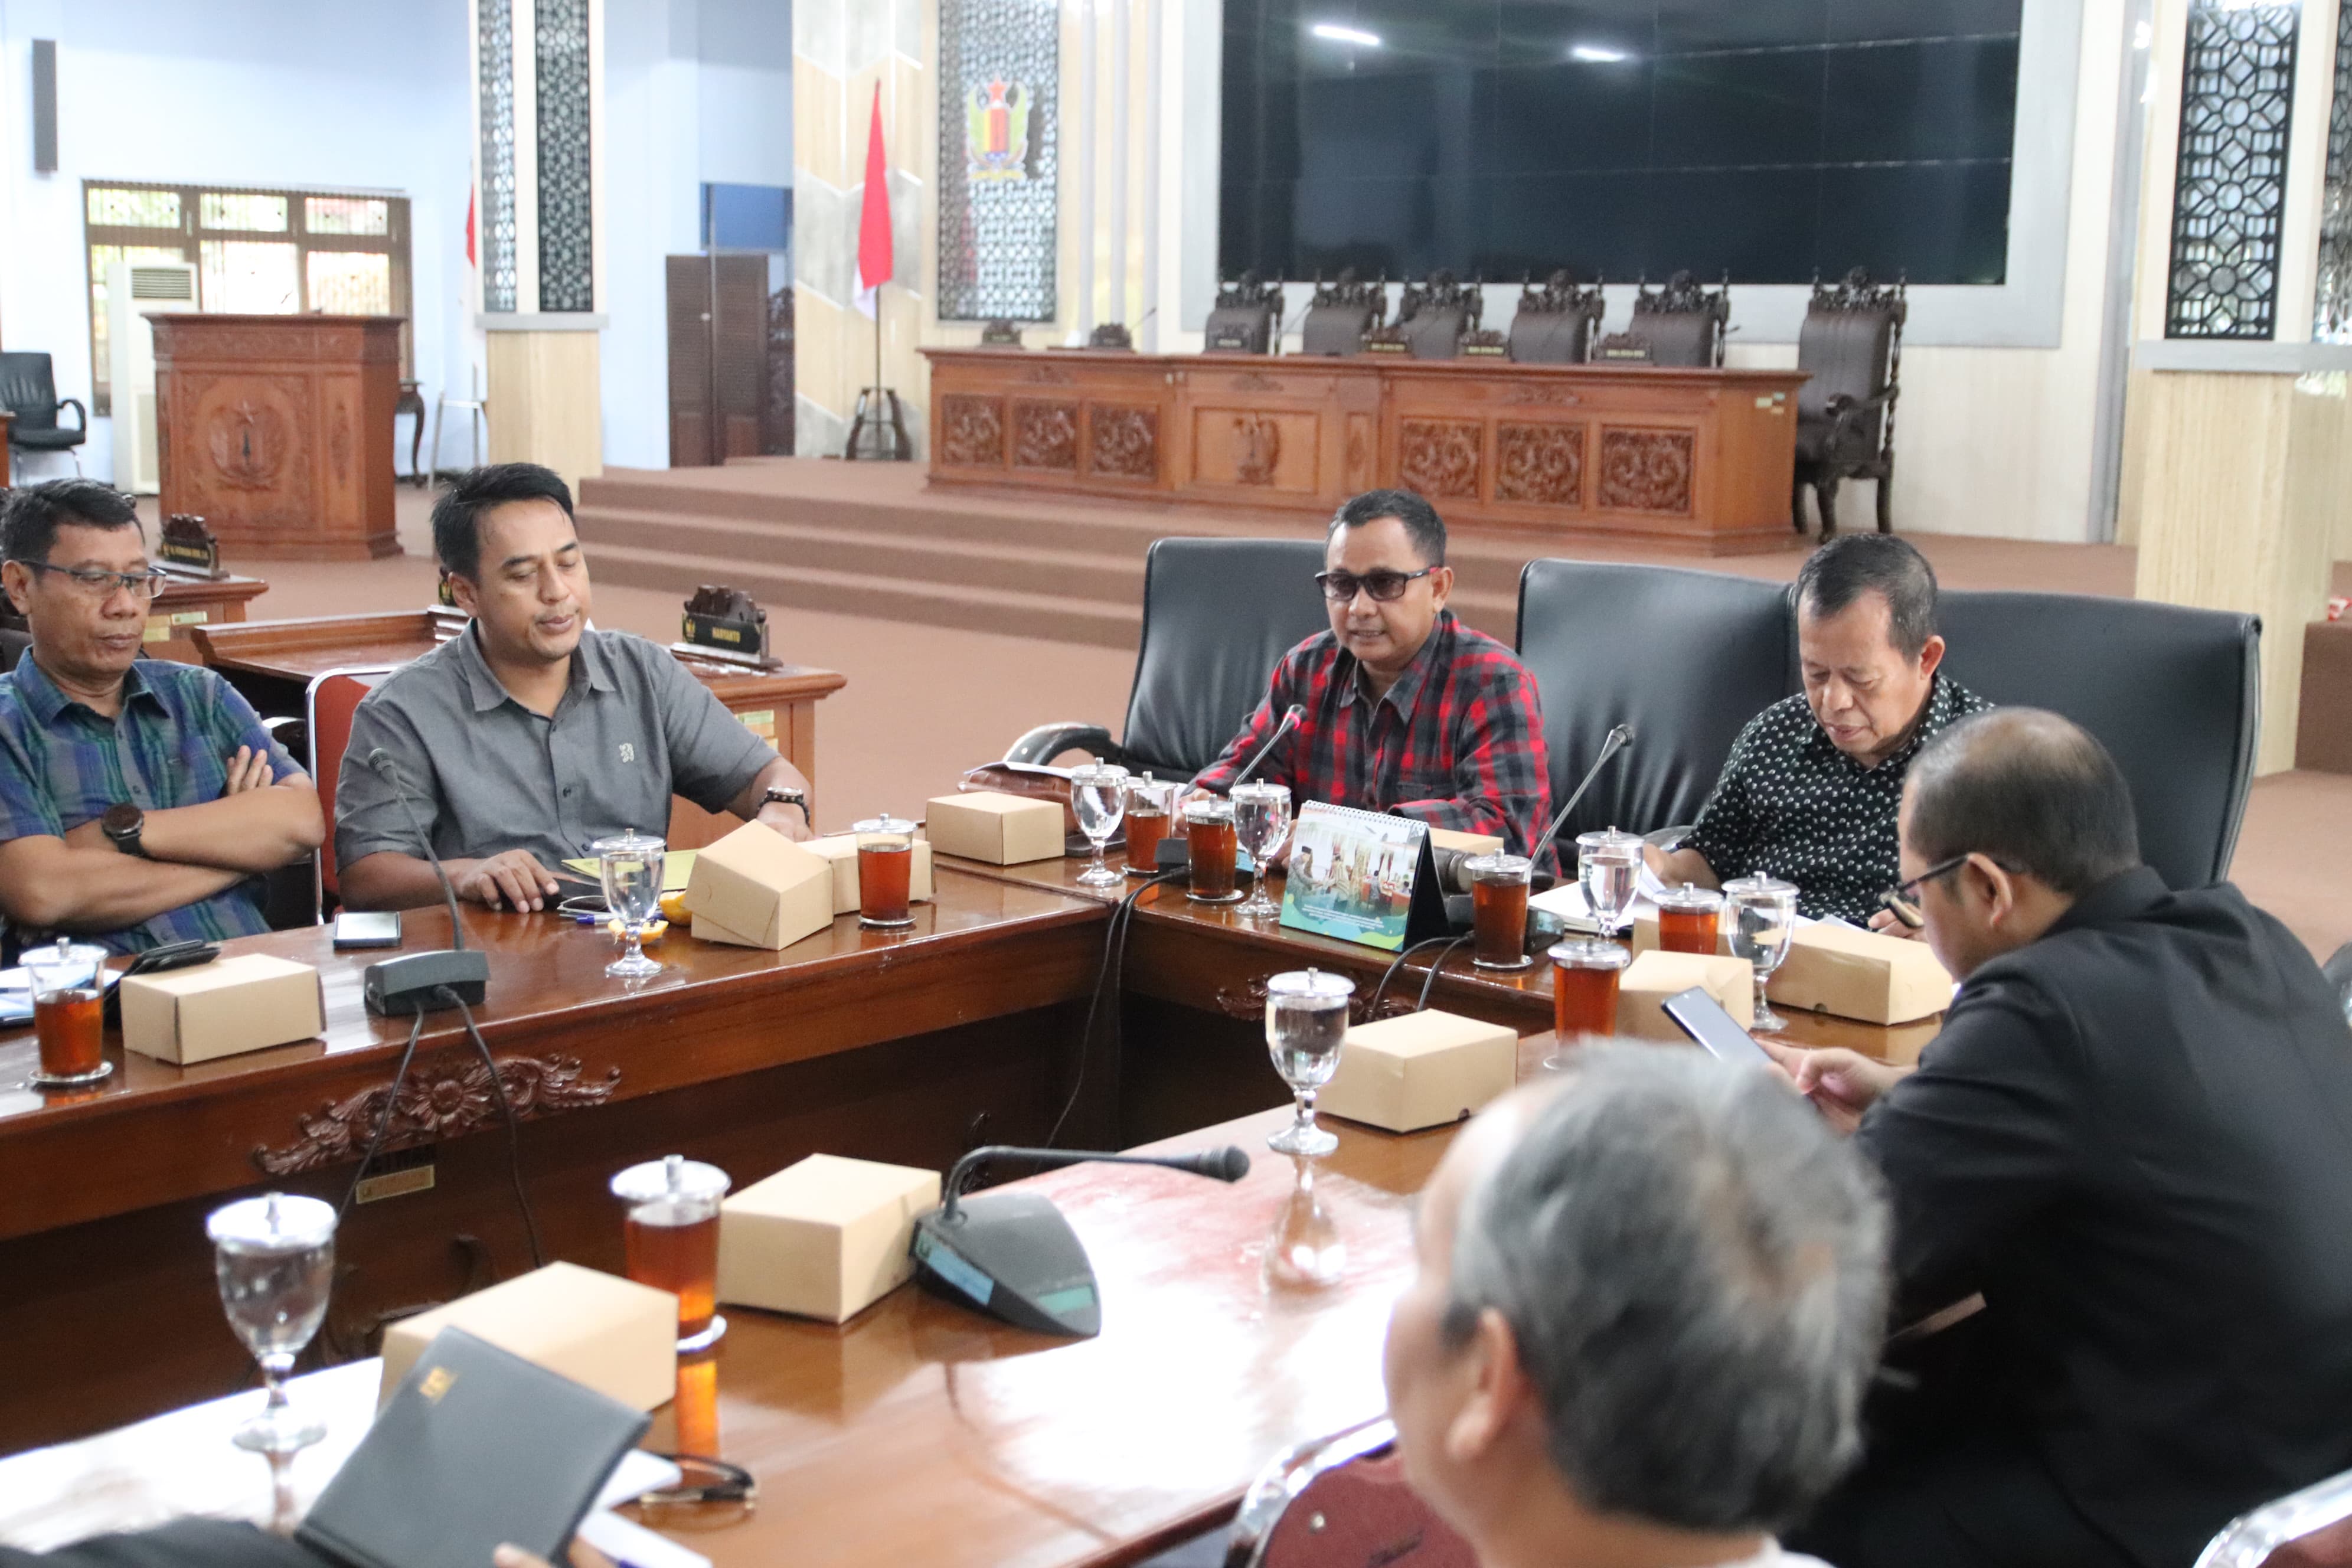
1768, 138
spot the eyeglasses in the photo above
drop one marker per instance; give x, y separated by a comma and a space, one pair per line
1903, 898
1384, 586
102, 584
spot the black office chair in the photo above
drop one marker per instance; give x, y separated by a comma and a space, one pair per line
1246, 314
29, 391
1687, 658
1435, 317
2174, 693
1218, 615
13, 643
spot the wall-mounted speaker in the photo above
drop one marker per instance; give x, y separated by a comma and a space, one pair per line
45, 106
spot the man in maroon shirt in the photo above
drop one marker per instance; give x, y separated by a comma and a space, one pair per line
1404, 710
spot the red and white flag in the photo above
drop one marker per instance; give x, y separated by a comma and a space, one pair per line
874, 220
469, 226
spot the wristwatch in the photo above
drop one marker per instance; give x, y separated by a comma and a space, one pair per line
778, 796
120, 822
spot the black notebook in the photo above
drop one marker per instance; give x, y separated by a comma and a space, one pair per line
478, 1446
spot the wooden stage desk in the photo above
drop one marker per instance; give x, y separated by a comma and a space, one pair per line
274, 662
1695, 459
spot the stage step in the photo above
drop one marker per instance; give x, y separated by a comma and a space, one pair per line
877, 543
961, 606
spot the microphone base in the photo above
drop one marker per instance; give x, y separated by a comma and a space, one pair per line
403, 986
1013, 1257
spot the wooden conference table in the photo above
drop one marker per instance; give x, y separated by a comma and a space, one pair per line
1697, 460
906, 1047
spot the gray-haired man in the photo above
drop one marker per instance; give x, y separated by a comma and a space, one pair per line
1647, 1307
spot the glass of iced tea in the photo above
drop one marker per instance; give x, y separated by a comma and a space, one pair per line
1585, 977
1150, 807
670, 1239
68, 1012
1499, 909
886, 871
1209, 828
1688, 919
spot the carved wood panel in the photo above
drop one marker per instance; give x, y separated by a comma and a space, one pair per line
971, 431
1258, 448
1646, 471
1125, 441
245, 430
444, 1099
1542, 464
1046, 436
1439, 457
1362, 443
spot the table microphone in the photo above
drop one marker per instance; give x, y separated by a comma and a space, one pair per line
1455, 880
1014, 1256
416, 982
1290, 719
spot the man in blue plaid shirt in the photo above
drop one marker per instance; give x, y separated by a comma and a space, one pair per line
140, 803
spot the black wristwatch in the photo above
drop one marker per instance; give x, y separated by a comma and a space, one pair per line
120, 822
778, 796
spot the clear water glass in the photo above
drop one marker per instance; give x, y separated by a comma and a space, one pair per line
275, 1256
1759, 915
1609, 864
1098, 797
631, 865
1261, 822
1306, 1024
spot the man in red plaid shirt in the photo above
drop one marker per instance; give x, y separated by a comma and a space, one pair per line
1405, 709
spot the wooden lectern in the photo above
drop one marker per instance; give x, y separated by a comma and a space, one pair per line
278, 430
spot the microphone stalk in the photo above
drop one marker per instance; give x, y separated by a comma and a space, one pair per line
1290, 719
1617, 740
1225, 1165
423, 982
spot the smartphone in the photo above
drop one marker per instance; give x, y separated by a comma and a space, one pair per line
1702, 1018
375, 929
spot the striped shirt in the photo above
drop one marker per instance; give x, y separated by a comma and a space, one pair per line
1458, 741
62, 763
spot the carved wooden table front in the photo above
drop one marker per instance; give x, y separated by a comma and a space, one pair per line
903, 1046
1695, 459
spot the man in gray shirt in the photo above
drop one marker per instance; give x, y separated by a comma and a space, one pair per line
529, 738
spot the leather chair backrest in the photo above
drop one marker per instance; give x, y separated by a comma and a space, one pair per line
1687, 658
1680, 338
1238, 329
1844, 351
2173, 693
1218, 615
28, 390
1334, 329
13, 643
1435, 332
1548, 337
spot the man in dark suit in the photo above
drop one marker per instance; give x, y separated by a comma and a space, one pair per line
2133, 1139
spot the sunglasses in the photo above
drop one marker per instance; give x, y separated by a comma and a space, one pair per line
1384, 586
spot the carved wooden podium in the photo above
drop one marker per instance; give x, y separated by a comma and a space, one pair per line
278, 430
